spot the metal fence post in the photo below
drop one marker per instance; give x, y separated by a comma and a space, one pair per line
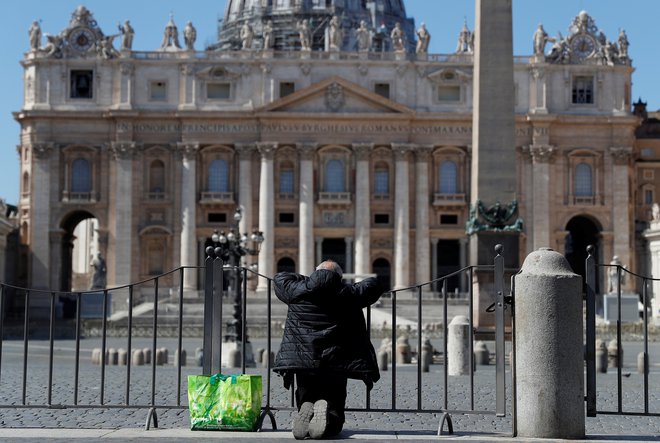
499, 332
590, 277
208, 314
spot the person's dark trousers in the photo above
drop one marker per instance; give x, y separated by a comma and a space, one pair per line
329, 387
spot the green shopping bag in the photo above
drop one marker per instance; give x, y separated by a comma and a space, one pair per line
224, 402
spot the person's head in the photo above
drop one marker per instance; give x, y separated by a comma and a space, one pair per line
330, 265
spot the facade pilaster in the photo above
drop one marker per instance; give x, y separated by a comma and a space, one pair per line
541, 157
362, 208
401, 216
188, 153
127, 71
621, 204
245, 153
123, 154
266, 212
40, 216
306, 262
422, 243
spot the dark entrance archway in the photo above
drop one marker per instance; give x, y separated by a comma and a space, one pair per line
381, 267
68, 225
449, 260
334, 249
582, 232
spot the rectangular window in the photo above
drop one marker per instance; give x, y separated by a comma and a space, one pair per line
583, 90
287, 217
648, 197
648, 152
448, 219
381, 219
287, 88
449, 93
217, 217
381, 182
286, 181
649, 174
382, 89
218, 91
158, 91
82, 83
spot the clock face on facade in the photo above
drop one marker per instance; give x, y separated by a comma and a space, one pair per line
81, 39
583, 45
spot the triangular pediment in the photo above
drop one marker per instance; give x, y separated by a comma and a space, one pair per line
335, 95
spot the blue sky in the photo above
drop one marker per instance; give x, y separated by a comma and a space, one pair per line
443, 18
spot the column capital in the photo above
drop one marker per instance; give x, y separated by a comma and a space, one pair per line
306, 151
541, 153
423, 152
126, 68
187, 150
621, 154
125, 150
42, 151
267, 149
401, 150
245, 150
362, 150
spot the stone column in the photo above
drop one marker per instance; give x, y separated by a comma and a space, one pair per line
319, 250
653, 237
349, 254
422, 243
306, 152
40, 216
266, 212
401, 216
188, 245
245, 152
541, 195
362, 208
123, 153
434, 260
621, 216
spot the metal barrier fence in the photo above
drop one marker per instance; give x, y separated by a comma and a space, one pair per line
617, 274
154, 399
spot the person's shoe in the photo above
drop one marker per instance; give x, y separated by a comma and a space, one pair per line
319, 420
301, 421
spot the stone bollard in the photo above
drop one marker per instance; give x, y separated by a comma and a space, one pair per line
183, 359
614, 354
147, 355
386, 346
259, 355
382, 359
122, 356
481, 354
165, 356
234, 358
199, 357
458, 346
642, 363
96, 356
112, 357
550, 378
138, 357
427, 354
403, 352
601, 357
264, 359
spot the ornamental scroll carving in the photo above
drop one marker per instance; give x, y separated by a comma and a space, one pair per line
621, 155
124, 150
541, 153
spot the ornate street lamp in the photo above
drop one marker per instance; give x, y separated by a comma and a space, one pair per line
230, 247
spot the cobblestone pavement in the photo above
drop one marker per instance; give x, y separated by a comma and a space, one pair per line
113, 415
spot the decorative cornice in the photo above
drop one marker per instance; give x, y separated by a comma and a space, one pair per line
306, 151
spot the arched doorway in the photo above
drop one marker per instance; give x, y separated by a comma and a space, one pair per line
381, 267
80, 243
582, 232
286, 264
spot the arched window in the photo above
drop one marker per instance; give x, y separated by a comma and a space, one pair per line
286, 179
81, 176
157, 176
381, 179
583, 180
218, 176
448, 177
334, 176
26, 182
286, 264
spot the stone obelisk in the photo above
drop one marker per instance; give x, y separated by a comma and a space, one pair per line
493, 208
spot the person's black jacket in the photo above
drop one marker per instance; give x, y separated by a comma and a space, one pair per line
325, 328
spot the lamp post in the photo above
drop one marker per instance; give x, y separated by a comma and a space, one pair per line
230, 247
